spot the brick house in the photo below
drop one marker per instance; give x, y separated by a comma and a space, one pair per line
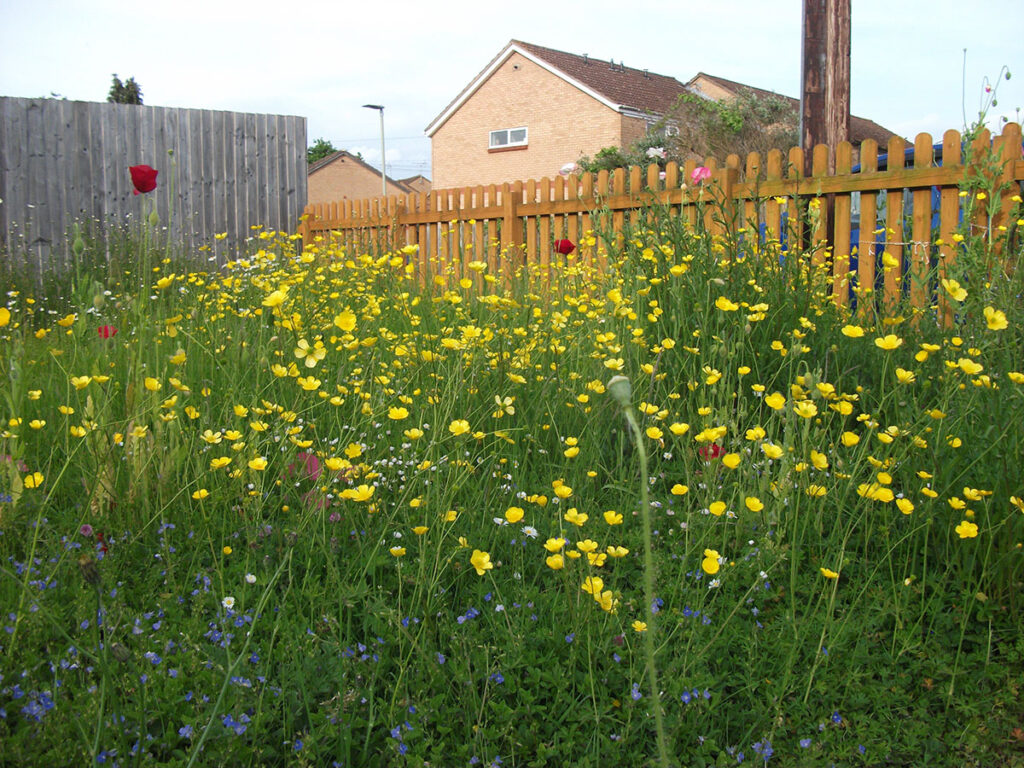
532, 110
341, 175
417, 184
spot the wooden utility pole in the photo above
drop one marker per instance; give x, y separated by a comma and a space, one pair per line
825, 95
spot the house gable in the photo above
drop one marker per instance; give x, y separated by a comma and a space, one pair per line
562, 122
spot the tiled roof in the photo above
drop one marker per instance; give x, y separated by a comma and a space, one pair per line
628, 89
635, 89
860, 128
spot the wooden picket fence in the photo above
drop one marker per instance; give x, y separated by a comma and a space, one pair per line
911, 213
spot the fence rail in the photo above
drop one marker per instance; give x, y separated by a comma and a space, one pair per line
62, 161
918, 210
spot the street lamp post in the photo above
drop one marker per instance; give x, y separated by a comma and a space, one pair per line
383, 165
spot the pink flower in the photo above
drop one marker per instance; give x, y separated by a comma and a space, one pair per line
564, 247
106, 331
700, 174
306, 465
85, 530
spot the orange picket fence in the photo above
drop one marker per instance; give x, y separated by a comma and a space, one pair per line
914, 211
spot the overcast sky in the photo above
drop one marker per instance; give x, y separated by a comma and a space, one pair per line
324, 60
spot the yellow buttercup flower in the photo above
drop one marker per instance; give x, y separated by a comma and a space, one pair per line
275, 298
481, 561
805, 409
514, 514
310, 355
829, 573
954, 289
346, 321
459, 427
966, 529
888, 342
258, 464
710, 564
969, 367
995, 319
576, 517
361, 493
612, 517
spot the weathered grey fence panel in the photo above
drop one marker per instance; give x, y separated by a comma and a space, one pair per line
66, 161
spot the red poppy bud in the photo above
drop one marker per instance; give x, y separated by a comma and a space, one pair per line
143, 178
564, 247
106, 331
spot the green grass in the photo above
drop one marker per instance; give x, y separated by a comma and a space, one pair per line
259, 612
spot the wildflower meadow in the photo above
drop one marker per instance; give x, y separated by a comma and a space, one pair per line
661, 502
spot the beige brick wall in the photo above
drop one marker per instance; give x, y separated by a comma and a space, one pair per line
563, 122
633, 129
343, 179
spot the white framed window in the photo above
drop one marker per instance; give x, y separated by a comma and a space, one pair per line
508, 137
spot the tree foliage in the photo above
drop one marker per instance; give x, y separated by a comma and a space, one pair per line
747, 123
697, 128
321, 148
127, 92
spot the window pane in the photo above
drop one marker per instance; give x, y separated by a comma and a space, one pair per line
518, 136
499, 138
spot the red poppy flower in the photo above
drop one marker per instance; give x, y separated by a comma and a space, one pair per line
710, 451
564, 247
143, 178
106, 331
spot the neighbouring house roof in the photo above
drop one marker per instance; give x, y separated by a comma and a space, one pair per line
626, 89
860, 128
325, 161
414, 179
620, 88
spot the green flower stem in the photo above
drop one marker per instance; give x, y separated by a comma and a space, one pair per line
197, 748
620, 389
